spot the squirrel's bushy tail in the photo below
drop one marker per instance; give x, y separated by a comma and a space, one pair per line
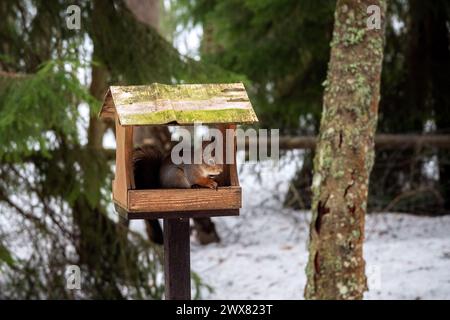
146, 163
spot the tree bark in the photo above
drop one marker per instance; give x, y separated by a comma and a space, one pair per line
345, 155
97, 89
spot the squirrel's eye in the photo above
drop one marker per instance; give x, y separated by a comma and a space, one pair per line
211, 162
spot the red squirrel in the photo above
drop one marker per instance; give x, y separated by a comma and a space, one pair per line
152, 170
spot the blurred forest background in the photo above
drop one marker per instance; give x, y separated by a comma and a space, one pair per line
56, 170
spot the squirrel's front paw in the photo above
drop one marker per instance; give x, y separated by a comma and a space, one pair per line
212, 184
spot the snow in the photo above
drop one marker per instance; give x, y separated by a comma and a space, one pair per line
263, 252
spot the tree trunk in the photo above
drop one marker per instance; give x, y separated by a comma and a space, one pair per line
345, 155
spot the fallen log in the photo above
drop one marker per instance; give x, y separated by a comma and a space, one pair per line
382, 141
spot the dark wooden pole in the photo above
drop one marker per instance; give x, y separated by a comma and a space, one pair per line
177, 265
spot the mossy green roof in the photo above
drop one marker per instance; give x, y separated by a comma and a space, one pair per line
183, 104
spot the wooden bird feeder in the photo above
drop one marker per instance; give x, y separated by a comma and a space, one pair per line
220, 105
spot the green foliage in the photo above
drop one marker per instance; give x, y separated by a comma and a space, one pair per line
24, 127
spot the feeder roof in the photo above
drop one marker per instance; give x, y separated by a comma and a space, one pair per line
182, 104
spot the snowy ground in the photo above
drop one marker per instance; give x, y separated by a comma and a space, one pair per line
263, 256
263, 252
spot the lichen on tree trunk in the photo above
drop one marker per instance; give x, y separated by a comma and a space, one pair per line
345, 154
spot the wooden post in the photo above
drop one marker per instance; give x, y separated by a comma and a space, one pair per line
177, 265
